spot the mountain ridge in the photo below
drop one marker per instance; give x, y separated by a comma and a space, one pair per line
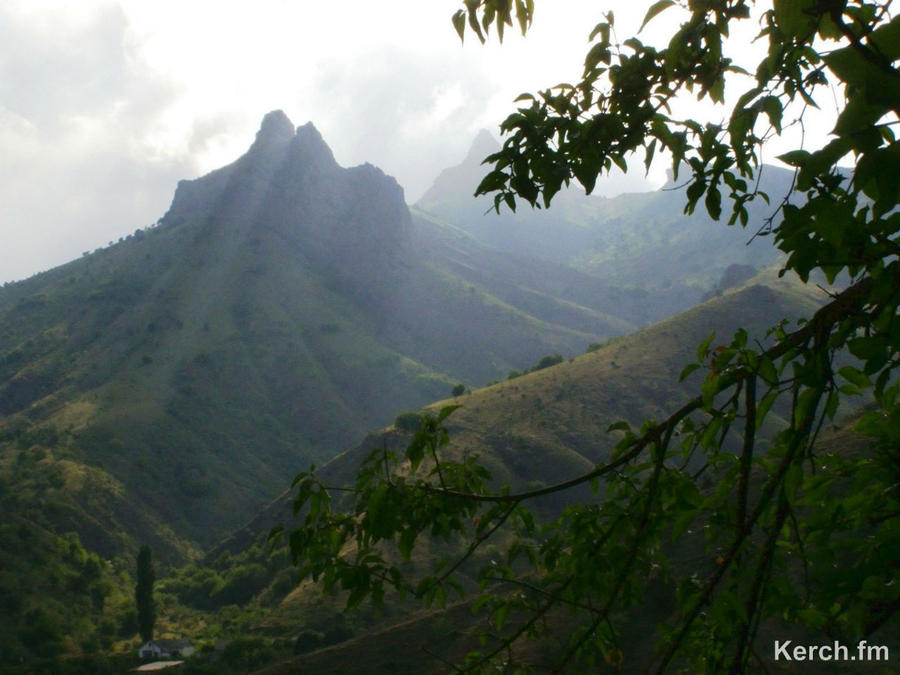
282, 307
642, 241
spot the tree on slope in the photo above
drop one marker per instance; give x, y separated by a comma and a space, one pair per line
143, 593
793, 534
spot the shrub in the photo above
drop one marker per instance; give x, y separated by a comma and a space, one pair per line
408, 421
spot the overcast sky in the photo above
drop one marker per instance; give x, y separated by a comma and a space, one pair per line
105, 105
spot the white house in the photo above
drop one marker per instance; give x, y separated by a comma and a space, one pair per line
164, 649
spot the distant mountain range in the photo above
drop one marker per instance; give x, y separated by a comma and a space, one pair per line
639, 242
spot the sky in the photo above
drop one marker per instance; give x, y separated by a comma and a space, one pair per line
105, 105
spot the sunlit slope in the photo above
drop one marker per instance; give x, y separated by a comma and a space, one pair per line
550, 425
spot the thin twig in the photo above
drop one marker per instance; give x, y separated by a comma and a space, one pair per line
747, 451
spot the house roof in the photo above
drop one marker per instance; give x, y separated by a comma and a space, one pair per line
169, 644
157, 665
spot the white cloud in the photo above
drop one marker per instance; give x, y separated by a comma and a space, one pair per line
104, 105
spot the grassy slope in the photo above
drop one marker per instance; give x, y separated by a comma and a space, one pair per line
551, 424
555, 419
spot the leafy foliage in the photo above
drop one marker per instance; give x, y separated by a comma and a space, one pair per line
143, 593
791, 532
59, 601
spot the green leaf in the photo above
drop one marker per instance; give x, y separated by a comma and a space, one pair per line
459, 24
772, 106
709, 388
792, 18
762, 408
500, 616
831, 404
856, 377
794, 157
523, 15
703, 349
600, 52
687, 370
714, 203
767, 371
655, 9
717, 90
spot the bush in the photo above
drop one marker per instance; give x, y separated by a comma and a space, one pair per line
547, 361
248, 652
241, 584
408, 421
308, 641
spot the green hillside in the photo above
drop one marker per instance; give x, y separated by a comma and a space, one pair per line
280, 309
550, 424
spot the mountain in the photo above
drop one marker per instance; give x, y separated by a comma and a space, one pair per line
550, 424
283, 306
640, 242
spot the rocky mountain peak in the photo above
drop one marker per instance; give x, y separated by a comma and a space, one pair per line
463, 178
276, 126
484, 144
343, 219
309, 146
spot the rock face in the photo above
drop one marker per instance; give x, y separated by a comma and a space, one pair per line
462, 179
289, 182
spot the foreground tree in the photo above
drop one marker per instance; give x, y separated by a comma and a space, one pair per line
143, 593
793, 534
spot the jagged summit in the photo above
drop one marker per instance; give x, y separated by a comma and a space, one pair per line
276, 126
289, 179
463, 178
278, 136
309, 146
484, 144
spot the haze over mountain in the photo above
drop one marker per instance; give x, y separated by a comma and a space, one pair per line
550, 425
281, 308
641, 241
